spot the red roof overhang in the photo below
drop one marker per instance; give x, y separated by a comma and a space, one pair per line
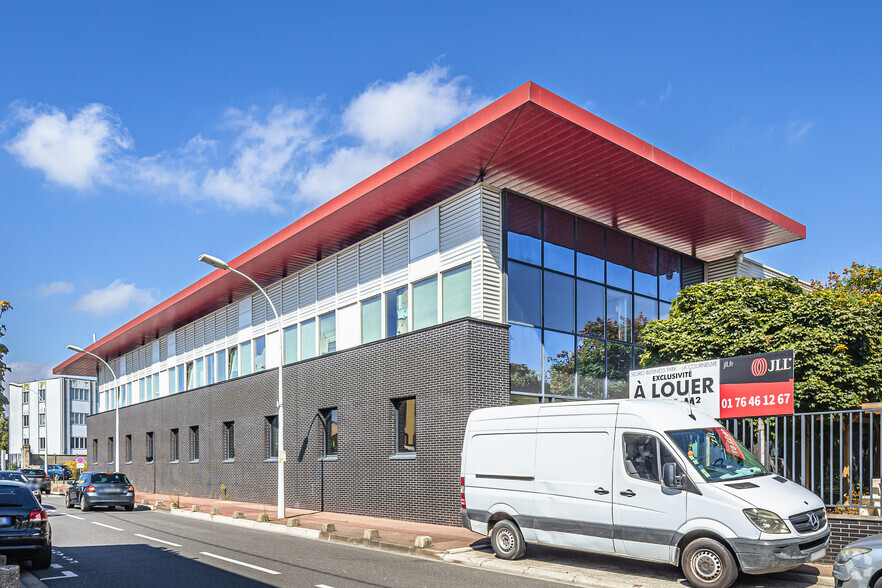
530, 141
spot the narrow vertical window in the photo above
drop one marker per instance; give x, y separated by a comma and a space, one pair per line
148, 450
327, 333
371, 320
307, 339
456, 286
94, 450
233, 362
191, 375
182, 378
200, 372
330, 430
194, 443
405, 425
173, 445
172, 381
291, 344
425, 303
128, 449
260, 354
221, 357
272, 436
245, 358
229, 441
209, 369
109, 448
397, 308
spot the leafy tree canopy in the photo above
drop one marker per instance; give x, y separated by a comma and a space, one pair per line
835, 329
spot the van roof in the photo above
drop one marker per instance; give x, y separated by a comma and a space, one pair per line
663, 415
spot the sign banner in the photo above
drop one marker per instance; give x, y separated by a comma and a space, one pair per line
756, 385
697, 383
743, 386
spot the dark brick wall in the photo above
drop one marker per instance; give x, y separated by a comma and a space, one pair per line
847, 528
451, 370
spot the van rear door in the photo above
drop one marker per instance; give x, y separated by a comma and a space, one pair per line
573, 485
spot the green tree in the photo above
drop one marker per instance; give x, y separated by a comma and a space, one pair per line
834, 328
4, 424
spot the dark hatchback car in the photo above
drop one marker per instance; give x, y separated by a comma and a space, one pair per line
33, 485
40, 476
24, 526
101, 489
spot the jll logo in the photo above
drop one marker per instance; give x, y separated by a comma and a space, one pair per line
759, 367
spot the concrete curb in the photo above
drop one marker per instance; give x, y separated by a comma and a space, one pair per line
247, 524
28, 580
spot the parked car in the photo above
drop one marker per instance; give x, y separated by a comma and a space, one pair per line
24, 526
617, 476
33, 485
101, 489
41, 476
59, 472
859, 564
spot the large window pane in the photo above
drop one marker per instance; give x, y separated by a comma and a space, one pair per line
209, 369
307, 339
663, 310
291, 344
589, 250
397, 308
559, 240
525, 357
260, 354
221, 358
525, 230
172, 381
645, 268
560, 364
182, 378
191, 376
245, 358
456, 287
590, 316
669, 278
559, 302
524, 294
618, 260
233, 362
327, 333
371, 320
590, 369
618, 365
425, 303
200, 372
618, 315
645, 310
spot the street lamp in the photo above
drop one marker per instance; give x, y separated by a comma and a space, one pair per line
220, 264
116, 434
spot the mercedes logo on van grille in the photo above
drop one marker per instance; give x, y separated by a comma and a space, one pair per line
814, 521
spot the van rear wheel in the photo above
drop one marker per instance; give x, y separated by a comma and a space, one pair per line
507, 540
707, 563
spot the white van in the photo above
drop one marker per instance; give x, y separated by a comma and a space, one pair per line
650, 479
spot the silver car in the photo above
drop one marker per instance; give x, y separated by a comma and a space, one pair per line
859, 565
33, 485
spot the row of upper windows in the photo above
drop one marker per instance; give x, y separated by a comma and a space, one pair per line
404, 431
386, 315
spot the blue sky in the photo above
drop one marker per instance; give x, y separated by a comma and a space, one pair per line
134, 137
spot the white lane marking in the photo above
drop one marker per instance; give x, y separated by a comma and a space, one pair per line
157, 540
74, 517
65, 574
323, 586
57, 566
108, 526
241, 563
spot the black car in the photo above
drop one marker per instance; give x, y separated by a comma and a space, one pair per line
101, 489
24, 526
33, 485
40, 476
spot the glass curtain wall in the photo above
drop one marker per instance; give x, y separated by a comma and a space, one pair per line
579, 297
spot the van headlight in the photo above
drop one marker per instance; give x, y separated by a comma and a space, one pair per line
766, 521
850, 552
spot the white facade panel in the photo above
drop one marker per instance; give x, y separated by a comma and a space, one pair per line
348, 327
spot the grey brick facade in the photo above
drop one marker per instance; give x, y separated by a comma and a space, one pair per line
451, 370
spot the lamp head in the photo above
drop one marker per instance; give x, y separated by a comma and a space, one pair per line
213, 261
75, 348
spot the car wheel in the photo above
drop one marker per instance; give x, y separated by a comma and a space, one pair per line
83, 505
43, 561
130, 507
707, 563
507, 540
67, 502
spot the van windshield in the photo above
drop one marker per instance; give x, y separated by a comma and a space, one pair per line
716, 454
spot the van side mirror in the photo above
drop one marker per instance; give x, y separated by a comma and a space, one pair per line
670, 477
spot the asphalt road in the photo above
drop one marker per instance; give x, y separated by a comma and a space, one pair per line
145, 548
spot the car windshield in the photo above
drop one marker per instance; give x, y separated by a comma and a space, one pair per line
109, 479
716, 454
15, 496
13, 476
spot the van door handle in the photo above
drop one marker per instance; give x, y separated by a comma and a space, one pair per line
601, 491
629, 493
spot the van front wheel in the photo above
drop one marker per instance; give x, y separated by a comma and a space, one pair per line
507, 540
707, 563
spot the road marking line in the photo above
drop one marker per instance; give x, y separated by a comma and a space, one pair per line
108, 526
65, 573
157, 540
241, 563
323, 586
74, 517
57, 566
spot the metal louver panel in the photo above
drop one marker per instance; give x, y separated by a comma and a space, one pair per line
275, 294
163, 348
395, 255
370, 266
258, 309
307, 291
232, 319
460, 229
347, 277
326, 285
717, 270
220, 324
489, 285
189, 337
209, 330
199, 334
289, 295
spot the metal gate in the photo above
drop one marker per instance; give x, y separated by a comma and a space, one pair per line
836, 455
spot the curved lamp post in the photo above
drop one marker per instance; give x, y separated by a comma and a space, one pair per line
116, 434
222, 265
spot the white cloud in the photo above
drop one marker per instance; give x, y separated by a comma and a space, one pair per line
75, 152
798, 129
116, 297
669, 91
27, 371
276, 159
54, 288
